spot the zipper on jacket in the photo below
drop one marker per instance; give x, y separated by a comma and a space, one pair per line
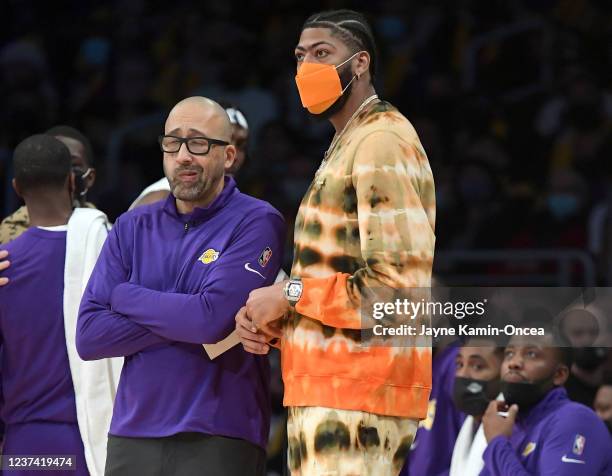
186, 227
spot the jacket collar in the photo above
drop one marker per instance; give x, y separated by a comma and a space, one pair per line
551, 402
202, 214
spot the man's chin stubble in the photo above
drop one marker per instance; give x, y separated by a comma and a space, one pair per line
190, 194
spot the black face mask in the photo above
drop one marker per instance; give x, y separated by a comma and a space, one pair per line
472, 396
589, 358
525, 394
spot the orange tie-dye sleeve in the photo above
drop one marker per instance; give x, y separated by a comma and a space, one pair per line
396, 214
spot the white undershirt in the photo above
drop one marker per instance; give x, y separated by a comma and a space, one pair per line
54, 228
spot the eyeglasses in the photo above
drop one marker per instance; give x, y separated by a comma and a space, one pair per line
195, 145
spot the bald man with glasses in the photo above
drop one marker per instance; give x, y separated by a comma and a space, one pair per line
170, 278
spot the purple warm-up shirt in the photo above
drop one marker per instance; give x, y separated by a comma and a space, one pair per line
557, 437
38, 404
36, 381
165, 284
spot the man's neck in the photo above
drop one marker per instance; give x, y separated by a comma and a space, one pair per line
184, 207
358, 95
49, 212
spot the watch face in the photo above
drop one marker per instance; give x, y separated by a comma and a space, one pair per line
294, 290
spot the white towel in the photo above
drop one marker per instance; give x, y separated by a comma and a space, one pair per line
95, 383
467, 454
161, 185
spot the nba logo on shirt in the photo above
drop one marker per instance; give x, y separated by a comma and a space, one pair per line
579, 442
264, 257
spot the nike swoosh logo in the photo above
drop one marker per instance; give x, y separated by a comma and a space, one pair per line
247, 266
565, 459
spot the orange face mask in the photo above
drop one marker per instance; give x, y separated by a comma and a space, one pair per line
319, 85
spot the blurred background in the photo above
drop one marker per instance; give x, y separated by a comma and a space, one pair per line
511, 99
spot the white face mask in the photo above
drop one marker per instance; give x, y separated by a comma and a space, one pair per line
80, 183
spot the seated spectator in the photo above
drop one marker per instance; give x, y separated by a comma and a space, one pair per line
544, 432
603, 402
581, 328
476, 384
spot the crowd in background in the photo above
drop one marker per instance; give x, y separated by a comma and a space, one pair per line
512, 101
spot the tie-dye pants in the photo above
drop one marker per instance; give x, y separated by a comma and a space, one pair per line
332, 442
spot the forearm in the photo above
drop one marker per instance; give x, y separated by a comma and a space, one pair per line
179, 317
102, 333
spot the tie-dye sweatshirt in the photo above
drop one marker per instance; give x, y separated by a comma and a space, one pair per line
366, 222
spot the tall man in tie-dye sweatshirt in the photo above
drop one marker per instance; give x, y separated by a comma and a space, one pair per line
365, 223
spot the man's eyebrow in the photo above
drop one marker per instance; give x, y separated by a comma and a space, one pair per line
314, 45
532, 346
196, 131
190, 130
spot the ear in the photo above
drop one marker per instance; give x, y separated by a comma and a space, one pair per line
230, 156
363, 63
561, 375
17, 189
71, 181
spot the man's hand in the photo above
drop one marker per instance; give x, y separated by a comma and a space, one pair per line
253, 341
496, 425
266, 305
4, 263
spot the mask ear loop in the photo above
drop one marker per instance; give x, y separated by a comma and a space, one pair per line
349, 83
83, 177
347, 60
354, 76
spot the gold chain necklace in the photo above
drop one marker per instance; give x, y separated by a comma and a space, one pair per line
337, 136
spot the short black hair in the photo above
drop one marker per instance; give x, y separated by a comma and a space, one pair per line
352, 28
41, 161
72, 133
497, 349
559, 340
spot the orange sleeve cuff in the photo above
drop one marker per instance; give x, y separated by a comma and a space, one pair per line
326, 300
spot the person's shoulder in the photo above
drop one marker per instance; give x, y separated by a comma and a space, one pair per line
573, 415
22, 248
387, 128
384, 117
578, 410
248, 205
16, 244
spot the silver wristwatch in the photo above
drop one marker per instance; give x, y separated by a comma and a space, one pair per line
293, 291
